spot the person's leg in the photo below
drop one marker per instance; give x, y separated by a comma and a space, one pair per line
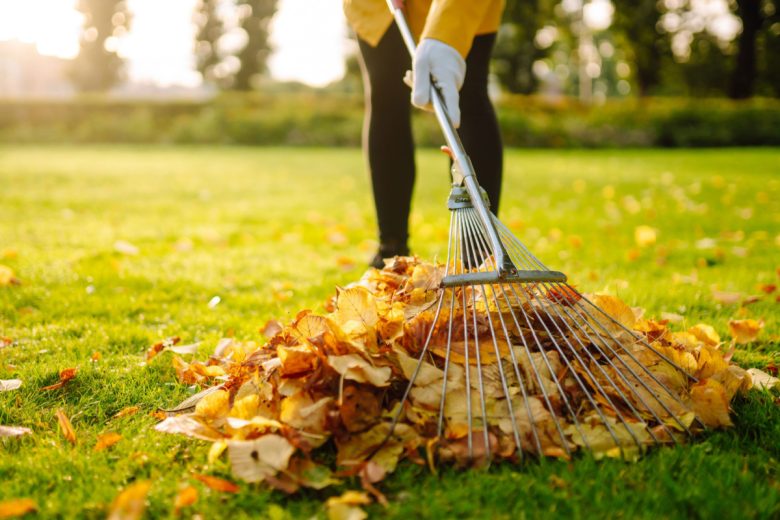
387, 140
479, 129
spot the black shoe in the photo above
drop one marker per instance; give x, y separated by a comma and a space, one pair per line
388, 250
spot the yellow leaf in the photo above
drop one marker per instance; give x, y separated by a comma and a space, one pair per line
356, 304
213, 406
745, 331
706, 334
189, 426
644, 236
130, 504
216, 450
616, 309
358, 369
65, 427
107, 440
709, 401
345, 507
17, 507
7, 276
302, 412
217, 484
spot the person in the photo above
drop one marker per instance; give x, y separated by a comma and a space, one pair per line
455, 39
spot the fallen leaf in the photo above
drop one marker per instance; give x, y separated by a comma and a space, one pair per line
710, 403
6, 385
217, 484
255, 460
14, 431
355, 368
107, 440
7, 276
727, 298
189, 426
271, 328
130, 504
65, 376
126, 248
184, 498
65, 427
125, 412
346, 506
745, 331
762, 380
17, 507
645, 236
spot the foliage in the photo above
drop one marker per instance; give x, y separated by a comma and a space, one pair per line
273, 230
98, 67
311, 117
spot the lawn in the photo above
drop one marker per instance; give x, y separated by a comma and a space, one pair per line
117, 248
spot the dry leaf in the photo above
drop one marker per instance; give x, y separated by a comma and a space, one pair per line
107, 440
65, 427
126, 248
125, 412
762, 380
17, 507
189, 426
271, 328
644, 236
346, 506
185, 498
217, 484
14, 431
7, 276
727, 298
710, 403
745, 331
356, 368
258, 459
6, 385
130, 504
65, 376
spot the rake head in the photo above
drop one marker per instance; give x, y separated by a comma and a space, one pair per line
518, 362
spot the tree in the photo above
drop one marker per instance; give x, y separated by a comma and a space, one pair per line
743, 78
516, 51
637, 21
255, 21
97, 66
210, 30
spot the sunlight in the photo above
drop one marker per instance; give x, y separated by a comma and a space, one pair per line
309, 38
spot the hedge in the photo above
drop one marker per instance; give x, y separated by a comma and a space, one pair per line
333, 119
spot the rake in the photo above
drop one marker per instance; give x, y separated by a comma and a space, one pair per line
527, 364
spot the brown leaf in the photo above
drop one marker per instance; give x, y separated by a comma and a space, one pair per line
271, 328
107, 440
160, 346
355, 368
65, 376
184, 498
130, 504
17, 507
65, 427
217, 484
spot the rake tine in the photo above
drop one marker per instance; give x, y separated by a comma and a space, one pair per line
581, 309
594, 380
504, 385
476, 262
639, 338
554, 377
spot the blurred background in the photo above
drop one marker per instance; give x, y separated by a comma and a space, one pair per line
569, 73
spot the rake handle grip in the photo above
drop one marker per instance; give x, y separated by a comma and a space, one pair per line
458, 152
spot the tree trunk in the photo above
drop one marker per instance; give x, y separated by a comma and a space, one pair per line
744, 75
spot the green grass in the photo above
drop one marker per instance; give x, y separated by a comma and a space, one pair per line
270, 231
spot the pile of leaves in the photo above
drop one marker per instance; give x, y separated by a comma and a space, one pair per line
336, 381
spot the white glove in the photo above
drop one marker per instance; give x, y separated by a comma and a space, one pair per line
436, 58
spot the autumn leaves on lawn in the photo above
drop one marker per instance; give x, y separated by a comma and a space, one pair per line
337, 380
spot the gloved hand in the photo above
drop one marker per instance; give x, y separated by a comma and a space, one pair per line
436, 58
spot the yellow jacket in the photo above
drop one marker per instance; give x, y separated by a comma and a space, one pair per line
455, 22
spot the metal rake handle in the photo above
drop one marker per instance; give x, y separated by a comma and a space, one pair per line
504, 265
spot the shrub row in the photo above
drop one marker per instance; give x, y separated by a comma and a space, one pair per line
332, 119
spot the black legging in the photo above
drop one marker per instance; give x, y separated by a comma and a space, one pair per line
387, 132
